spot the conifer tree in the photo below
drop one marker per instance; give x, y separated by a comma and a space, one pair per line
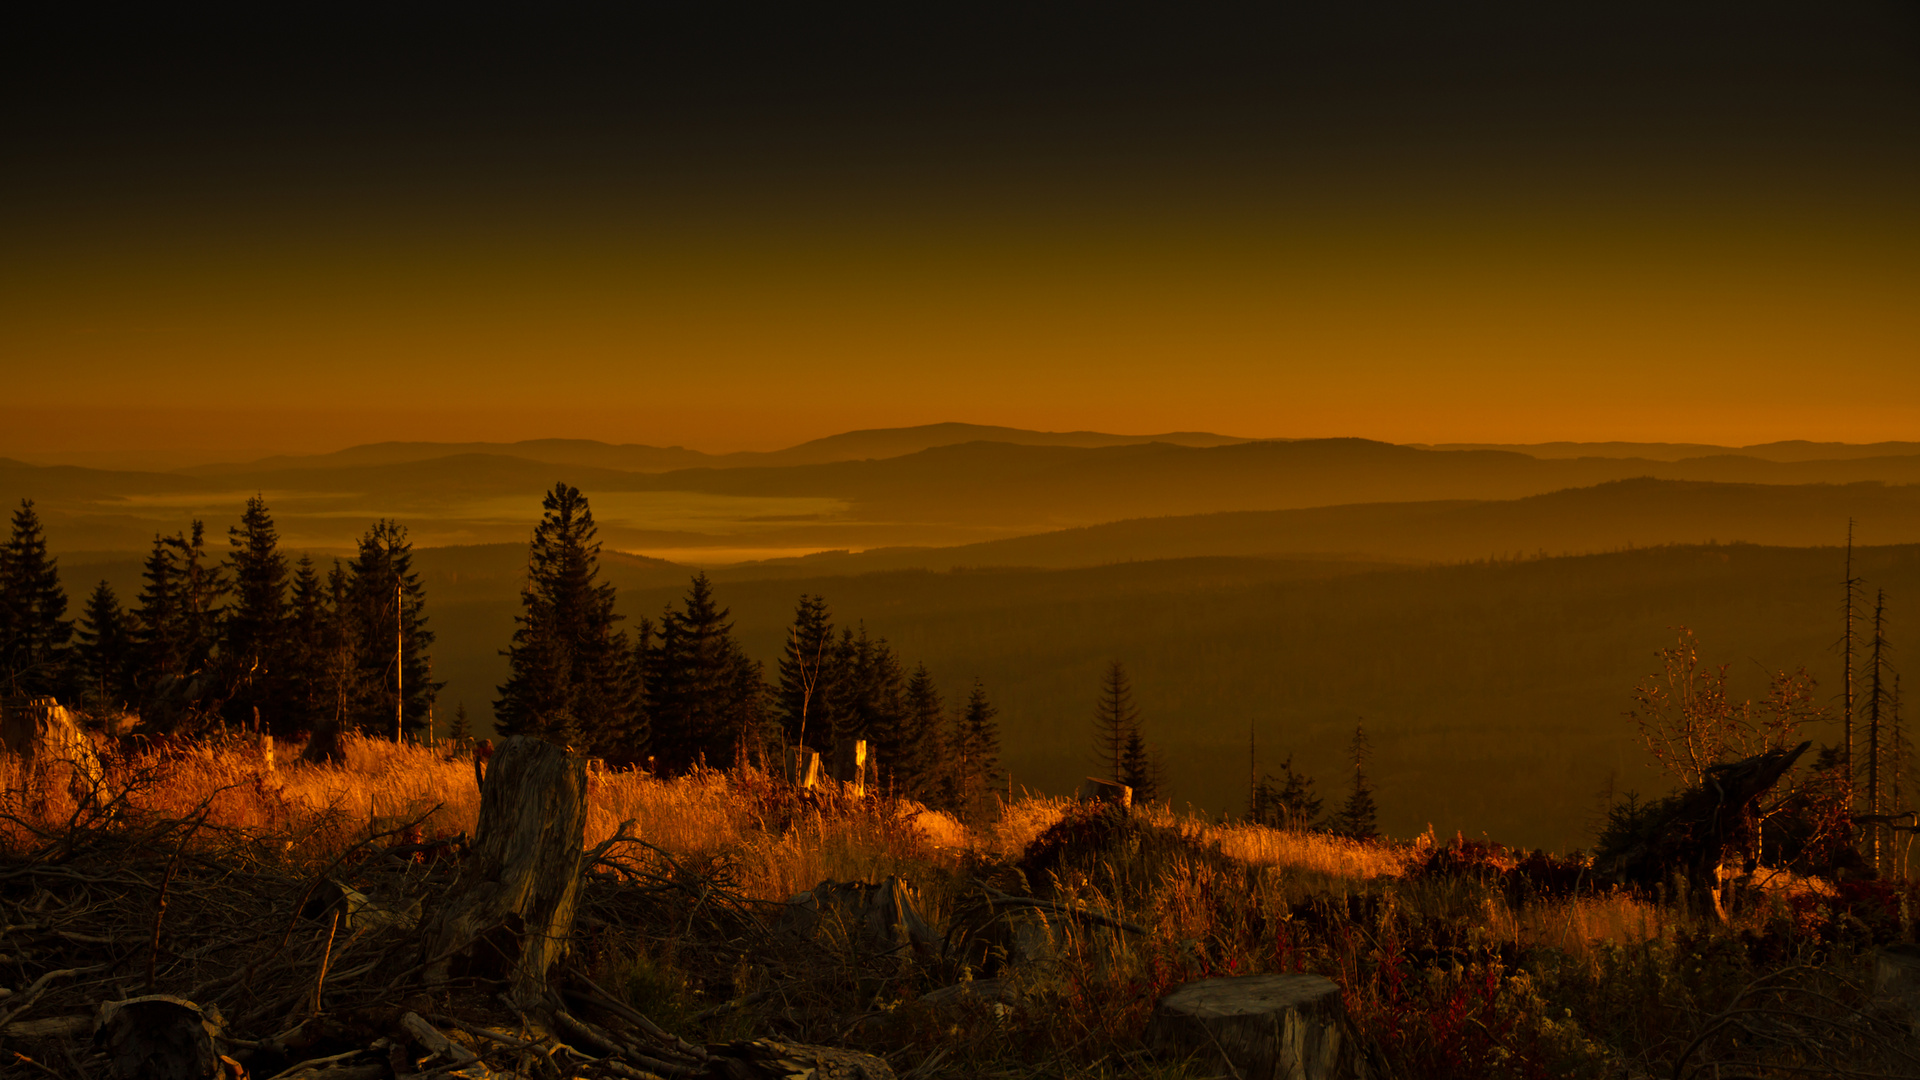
385, 617
872, 689
975, 748
203, 589
1138, 769
571, 677
304, 649
458, 729
253, 646
808, 670
176, 629
102, 650
917, 753
343, 689
34, 633
1286, 801
1357, 818
1114, 715
704, 697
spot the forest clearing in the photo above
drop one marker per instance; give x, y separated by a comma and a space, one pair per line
1032, 937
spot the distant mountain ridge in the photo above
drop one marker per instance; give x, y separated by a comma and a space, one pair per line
635, 457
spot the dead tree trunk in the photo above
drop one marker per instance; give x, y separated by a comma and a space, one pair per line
1262, 1027
511, 916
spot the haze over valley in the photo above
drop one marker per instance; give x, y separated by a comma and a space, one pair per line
1484, 609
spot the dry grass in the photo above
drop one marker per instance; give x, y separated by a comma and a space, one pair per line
1215, 899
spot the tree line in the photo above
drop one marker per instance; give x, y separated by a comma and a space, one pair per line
242, 638
680, 692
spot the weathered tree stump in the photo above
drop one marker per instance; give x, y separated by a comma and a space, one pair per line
160, 1037
1094, 789
511, 916
49, 742
1262, 1027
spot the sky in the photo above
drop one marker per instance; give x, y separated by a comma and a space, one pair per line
704, 226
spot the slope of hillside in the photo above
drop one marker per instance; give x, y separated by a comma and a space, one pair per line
1619, 514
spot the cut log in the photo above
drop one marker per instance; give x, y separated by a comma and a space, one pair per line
511, 916
1261, 1027
770, 1059
160, 1037
1094, 789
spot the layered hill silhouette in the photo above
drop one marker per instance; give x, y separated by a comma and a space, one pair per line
936, 496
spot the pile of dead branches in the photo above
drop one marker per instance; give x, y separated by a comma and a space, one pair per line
166, 946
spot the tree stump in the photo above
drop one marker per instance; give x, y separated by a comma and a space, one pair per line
511, 915
1094, 789
1262, 1027
160, 1037
50, 744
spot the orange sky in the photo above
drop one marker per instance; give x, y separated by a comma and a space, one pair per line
1660, 249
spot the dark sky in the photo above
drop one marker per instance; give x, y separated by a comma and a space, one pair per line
734, 228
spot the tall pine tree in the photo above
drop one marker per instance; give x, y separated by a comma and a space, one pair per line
1357, 818
975, 749
102, 652
704, 697
914, 757
385, 617
808, 671
1114, 716
304, 650
176, 628
254, 632
34, 632
571, 677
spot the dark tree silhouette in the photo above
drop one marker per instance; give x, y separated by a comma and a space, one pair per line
384, 618
253, 642
1114, 715
975, 749
809, 669
571, 676
34, 632
704, 697
102, 651
1357, 817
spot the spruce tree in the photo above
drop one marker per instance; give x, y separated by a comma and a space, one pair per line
203, 590
102, 650
343, 690
872, 703
34, 633
918, 752
1286, 801
254, 638
157, 630
304, 650
1138, 769
459, 730
705, 701
176, 629
571, 677
385, 617
1357, 818
1114, 715
808, 670
976, 749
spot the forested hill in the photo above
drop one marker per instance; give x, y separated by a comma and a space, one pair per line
1605, 517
